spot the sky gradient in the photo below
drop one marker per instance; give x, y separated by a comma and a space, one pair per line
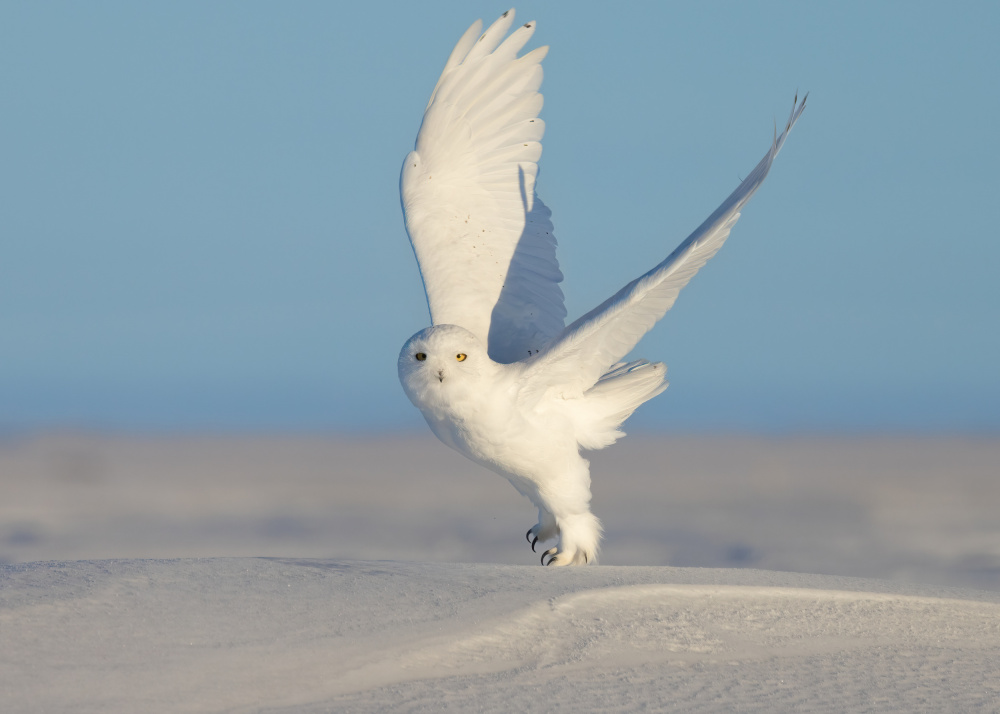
200, 223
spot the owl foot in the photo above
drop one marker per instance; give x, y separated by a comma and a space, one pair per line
579, 540
544, 530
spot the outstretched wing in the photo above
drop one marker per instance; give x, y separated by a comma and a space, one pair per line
482, 239
587, 348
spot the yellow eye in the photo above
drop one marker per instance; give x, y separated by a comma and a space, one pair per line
460, 356
420, 356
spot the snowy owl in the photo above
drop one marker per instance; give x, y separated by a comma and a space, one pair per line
498, 377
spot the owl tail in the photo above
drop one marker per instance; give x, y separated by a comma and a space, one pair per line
615, 396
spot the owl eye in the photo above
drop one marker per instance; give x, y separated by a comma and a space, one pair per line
421, 356
460, 356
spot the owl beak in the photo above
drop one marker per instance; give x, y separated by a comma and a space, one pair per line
440, 375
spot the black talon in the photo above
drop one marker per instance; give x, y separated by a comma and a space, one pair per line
527, 536
533, 544
551, 551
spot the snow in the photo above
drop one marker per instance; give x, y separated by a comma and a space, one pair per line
265, 635
90, 623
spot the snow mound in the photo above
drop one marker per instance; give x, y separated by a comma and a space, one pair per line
275, 635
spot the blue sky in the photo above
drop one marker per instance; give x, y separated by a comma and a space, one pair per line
200, 225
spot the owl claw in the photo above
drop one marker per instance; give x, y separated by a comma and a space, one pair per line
552, 552
528, 537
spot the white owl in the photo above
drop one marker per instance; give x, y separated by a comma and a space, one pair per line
498, 377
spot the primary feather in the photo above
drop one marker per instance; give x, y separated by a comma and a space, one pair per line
497, 376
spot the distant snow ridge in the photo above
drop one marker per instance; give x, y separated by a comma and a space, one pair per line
498, 377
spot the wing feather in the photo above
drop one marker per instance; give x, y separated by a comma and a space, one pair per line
461, 49
483, 241
586, 349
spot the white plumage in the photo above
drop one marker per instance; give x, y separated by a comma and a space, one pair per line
497, 376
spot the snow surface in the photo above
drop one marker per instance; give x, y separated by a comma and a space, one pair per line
274, 635
88, 625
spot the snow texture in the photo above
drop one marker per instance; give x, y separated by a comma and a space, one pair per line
288, 635
85, 626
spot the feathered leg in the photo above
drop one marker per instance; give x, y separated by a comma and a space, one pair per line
566, 497
579, 540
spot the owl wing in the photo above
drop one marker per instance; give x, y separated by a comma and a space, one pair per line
482, 240
588, 348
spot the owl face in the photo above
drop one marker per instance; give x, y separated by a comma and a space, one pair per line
438, 361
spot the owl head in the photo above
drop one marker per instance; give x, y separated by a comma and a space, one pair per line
439, 360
